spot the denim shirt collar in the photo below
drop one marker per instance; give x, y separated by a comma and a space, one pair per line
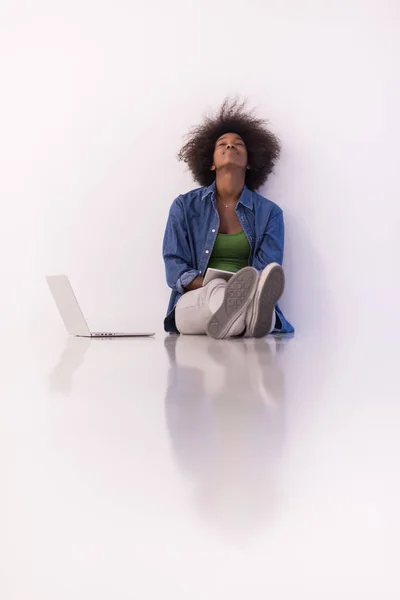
246, 197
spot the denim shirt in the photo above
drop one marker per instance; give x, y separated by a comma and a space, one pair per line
192, 229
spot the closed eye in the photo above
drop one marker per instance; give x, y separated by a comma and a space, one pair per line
238, 143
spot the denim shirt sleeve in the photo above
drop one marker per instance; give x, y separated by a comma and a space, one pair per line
176, 250
272, 243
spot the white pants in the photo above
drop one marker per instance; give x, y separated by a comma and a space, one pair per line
195, 309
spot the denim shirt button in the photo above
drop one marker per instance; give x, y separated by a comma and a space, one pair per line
207, 251
213, 230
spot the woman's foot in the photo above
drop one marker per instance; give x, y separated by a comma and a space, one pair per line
239, 293
270, 289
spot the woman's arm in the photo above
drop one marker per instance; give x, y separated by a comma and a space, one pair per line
181, 275
272, 243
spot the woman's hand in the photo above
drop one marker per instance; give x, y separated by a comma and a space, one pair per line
196, 284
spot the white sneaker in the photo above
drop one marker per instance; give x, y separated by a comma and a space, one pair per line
239, 293
270, 288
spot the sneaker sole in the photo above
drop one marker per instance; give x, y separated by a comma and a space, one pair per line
239, 293
270, 289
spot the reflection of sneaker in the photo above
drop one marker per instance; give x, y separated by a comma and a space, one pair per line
239, 293
270, 289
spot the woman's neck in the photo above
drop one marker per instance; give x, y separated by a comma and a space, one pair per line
229, 186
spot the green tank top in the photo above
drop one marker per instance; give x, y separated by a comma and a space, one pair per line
231, 252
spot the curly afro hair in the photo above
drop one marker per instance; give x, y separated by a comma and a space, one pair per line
262, 145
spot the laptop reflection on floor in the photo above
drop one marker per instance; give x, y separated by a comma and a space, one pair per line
71, 313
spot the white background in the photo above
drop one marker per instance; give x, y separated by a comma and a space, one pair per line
95, 99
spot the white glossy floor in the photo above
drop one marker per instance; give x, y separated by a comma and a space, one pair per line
192, 469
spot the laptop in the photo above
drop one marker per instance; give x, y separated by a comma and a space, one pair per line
71, 312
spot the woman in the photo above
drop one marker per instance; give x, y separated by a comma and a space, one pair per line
226, 225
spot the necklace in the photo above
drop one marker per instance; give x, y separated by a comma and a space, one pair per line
227, 205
